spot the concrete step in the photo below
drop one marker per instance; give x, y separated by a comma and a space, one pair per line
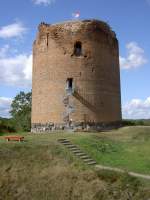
73, 148
80, 154
62, 139
88, 160
66, 143
91, 163
84, 157
77, 151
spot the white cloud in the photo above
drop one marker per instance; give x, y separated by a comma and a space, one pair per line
135, 57
137, 109
5, 106
16, 29
15, 70
44, 2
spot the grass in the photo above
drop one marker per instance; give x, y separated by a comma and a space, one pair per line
41, 168
127, 148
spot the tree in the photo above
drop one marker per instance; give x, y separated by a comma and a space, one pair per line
21, 111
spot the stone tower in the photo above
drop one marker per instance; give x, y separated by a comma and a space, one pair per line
76, 76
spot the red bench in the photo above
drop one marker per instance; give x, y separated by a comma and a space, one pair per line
14, 138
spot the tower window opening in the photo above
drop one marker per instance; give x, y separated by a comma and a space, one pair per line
78, 49
70, 83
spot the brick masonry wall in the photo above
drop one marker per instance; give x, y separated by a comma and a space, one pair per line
96, 75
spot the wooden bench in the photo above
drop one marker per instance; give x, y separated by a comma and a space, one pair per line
14, 138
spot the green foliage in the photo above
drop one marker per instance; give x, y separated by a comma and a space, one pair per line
105, 146
128, 123
139, 122
21, 111
6, 125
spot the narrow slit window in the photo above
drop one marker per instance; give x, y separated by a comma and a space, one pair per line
78, 49
47, 38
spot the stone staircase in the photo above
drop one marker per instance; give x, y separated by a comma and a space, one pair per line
77, 152
83, 100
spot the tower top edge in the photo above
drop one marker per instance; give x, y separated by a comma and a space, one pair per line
78, 25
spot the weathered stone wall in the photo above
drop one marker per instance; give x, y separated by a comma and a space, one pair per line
96, 76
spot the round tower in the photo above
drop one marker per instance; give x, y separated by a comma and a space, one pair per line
76, 76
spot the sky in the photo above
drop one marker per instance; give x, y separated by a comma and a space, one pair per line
130, 20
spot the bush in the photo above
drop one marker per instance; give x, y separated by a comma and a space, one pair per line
7, 125
138, 122
128, 123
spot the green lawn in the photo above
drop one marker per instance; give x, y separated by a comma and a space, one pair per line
41, 168
127, 148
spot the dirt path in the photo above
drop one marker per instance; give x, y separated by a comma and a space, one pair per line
144, 176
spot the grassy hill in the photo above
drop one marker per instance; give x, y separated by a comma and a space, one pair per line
41, 168
127, 148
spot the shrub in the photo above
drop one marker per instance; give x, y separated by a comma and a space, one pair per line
7, 125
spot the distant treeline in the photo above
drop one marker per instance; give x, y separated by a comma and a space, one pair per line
137, 122
10, 125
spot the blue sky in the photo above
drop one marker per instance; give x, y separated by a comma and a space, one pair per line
129, 19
